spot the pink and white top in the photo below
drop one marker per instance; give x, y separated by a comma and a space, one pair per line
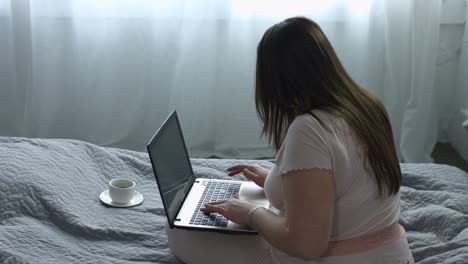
308, 144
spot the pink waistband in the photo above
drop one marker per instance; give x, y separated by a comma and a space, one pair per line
365, 242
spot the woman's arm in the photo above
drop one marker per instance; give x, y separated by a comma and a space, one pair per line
305, 231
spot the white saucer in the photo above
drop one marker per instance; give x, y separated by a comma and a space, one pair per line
136, 200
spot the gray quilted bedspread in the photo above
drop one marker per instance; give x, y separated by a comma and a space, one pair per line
50, 211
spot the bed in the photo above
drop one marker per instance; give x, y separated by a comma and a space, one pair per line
50, 211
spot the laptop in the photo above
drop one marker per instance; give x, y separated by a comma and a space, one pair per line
183, 194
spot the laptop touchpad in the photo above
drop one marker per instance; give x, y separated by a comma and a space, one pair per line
249, 191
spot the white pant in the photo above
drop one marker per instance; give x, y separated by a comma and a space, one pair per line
211, 247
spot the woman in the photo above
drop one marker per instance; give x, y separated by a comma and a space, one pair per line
337, 177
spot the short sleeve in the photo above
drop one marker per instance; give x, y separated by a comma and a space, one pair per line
305, 146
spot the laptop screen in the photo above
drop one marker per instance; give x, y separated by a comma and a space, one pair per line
171, 165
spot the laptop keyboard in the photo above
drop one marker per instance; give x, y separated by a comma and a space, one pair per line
214, 191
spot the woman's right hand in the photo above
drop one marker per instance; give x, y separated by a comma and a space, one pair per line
254, 173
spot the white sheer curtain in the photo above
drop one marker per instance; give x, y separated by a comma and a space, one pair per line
109, 71
456, 134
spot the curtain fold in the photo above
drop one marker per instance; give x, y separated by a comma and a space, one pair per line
109, 72
419, 116
462, 93
453, 128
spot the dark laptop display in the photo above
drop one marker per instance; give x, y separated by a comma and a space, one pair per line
172, 166
183, 196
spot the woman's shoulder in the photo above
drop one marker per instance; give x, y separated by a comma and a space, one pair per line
319, 123
316, 119
307, 125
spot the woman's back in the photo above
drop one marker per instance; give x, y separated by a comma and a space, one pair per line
358, 210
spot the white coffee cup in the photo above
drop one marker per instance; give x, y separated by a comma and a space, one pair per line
121, 190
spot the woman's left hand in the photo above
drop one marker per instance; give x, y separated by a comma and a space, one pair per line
233, 209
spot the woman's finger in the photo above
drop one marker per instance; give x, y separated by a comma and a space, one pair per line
236, 196
239, 167
212, 209
207, 210
236, 167
249, 174
217, 202
254, 177
234, 172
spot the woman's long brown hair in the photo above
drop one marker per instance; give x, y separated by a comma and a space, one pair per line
298, 71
